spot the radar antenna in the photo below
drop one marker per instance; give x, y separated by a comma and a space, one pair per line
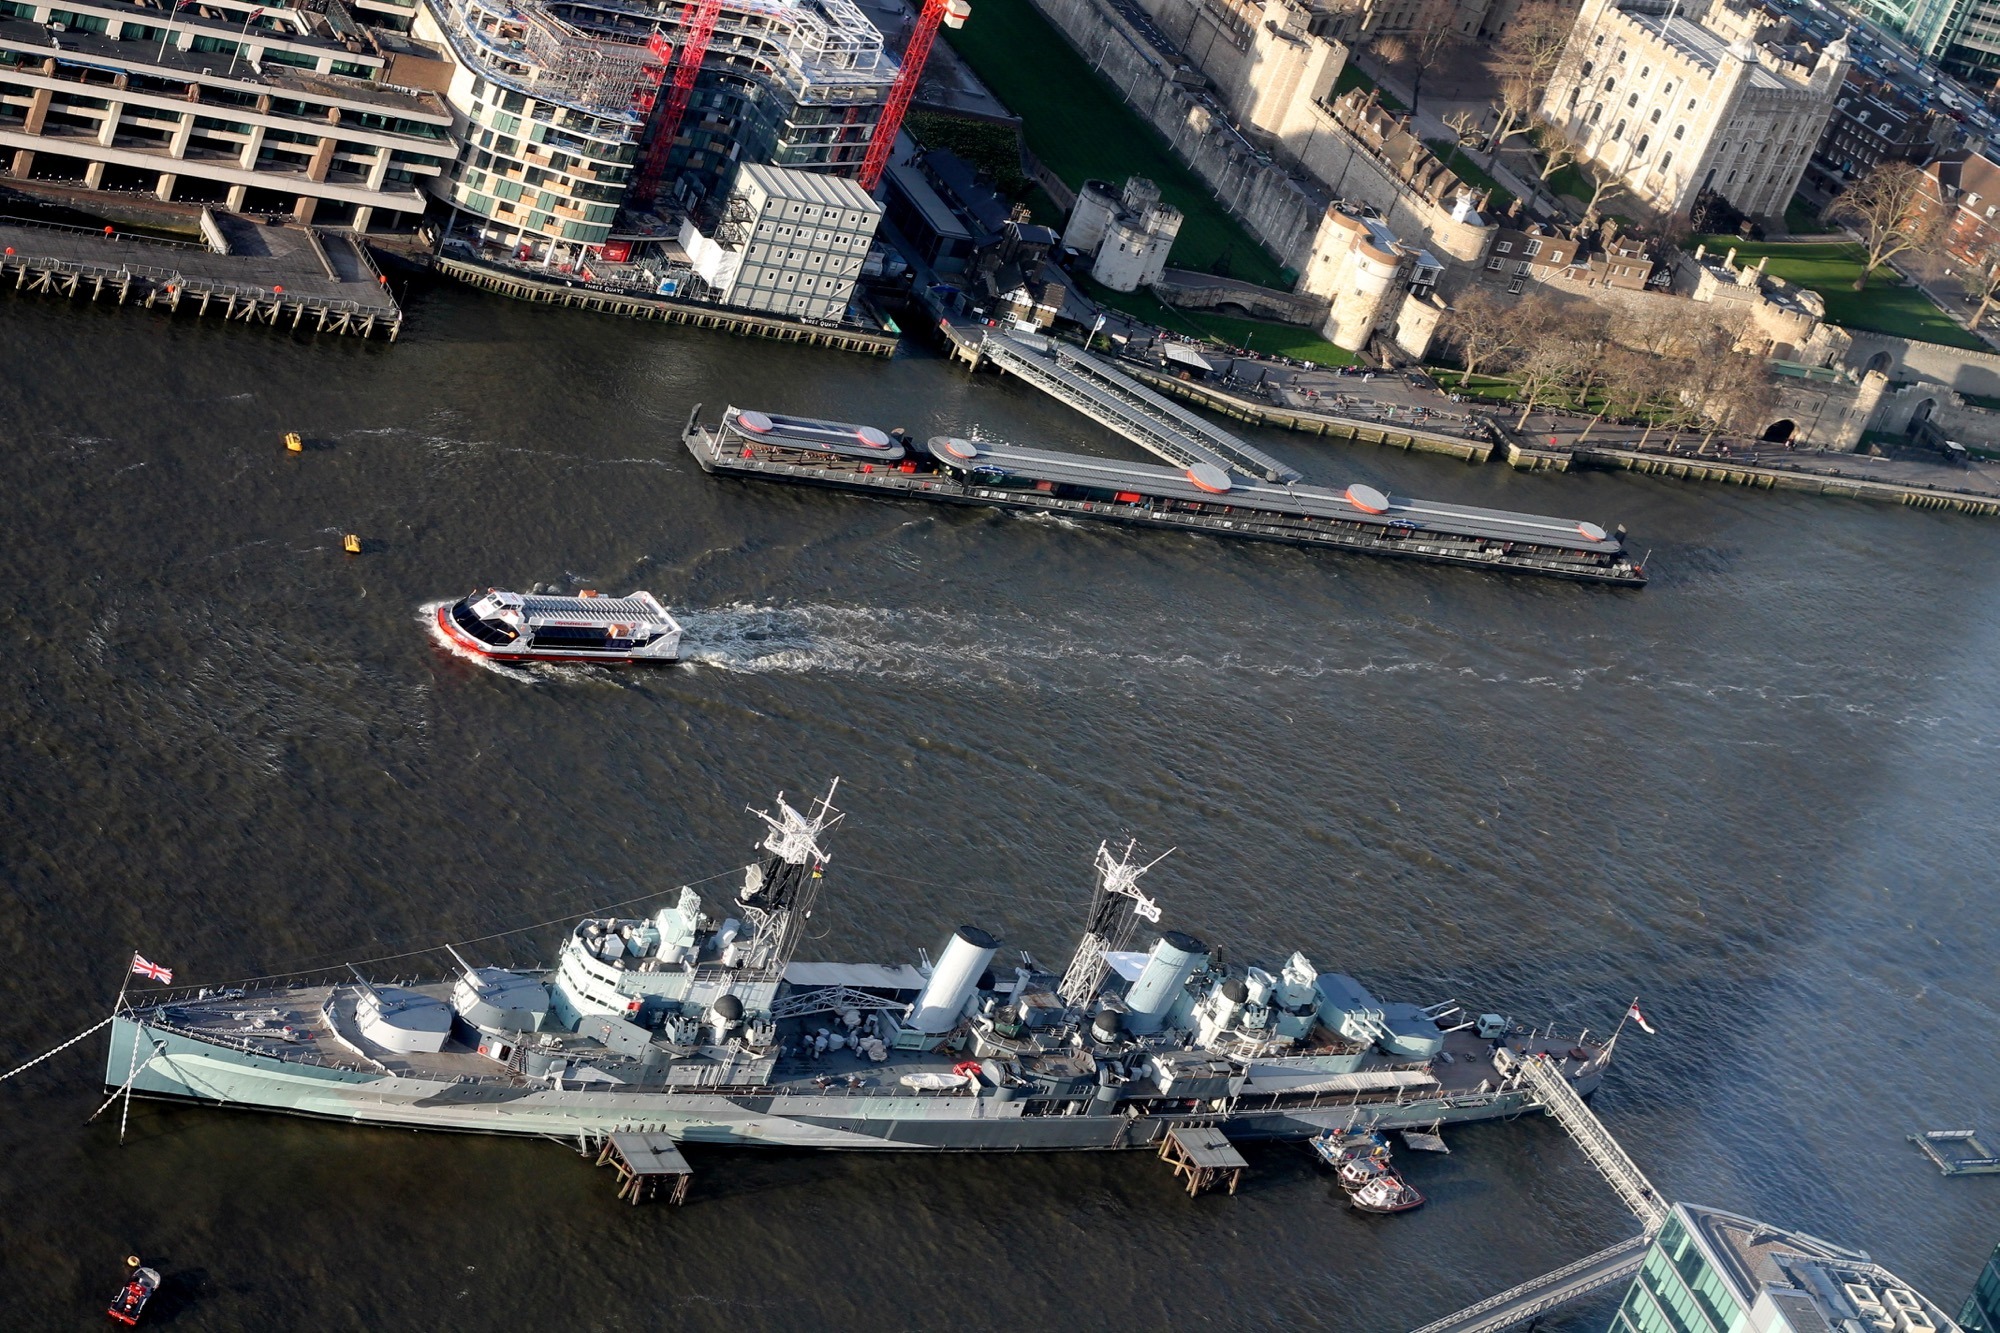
779, 891
1115, 910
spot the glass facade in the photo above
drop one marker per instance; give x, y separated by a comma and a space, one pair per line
1982, 1308
1677, 1291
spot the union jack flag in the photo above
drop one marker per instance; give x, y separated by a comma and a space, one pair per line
142, 968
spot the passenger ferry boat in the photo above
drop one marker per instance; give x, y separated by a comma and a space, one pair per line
698, 1023
539, 627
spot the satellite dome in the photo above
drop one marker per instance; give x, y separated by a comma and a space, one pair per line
1236, 991
727, 1008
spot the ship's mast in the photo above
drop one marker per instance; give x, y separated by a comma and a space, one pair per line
779, 891
1115, 909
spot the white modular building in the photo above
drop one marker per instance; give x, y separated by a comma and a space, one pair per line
790, 242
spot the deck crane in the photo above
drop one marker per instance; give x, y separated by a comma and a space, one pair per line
952, 13
697, 26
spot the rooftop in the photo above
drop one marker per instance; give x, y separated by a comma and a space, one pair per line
806, 187
1813, 1283
1706, 49
94, 51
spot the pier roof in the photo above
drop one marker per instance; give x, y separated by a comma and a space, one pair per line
1002, 459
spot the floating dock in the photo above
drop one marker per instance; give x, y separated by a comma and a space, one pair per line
1958, 1152
1202, 497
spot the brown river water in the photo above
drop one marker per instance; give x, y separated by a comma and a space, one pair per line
1759, 793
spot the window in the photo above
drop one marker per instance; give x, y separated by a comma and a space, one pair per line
1666, 160
1633, 100
1654, 119
1640, 147
1619, 133
1496, 265
1667, 90
1691, 103
1587, 67
1504, 248
1645, 71
1610, 84
1680, 132
1534, 248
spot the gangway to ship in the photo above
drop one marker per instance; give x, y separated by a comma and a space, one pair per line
1116, 400
1545, 1078
1537, 1296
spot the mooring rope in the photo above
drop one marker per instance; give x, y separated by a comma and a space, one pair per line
58, 1050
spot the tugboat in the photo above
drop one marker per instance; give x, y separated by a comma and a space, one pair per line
130, 1302
542, 627
1390, 1193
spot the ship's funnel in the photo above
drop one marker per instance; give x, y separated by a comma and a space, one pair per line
1174, 960
966, 955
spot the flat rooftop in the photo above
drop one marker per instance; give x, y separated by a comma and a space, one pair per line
95, 51
1698, 44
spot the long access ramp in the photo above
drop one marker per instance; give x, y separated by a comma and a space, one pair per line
1116, 400
1538, 1296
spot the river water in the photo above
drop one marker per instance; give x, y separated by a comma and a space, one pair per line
1758, 793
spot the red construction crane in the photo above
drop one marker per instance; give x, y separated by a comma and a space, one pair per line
697, 26
651, 75
952, 13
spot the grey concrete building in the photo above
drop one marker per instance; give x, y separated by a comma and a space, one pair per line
270, 112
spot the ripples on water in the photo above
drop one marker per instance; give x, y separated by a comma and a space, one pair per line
1758, 793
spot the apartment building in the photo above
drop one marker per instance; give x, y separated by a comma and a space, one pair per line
267, 109
554, 100
1875, 122
785, 241
1967, 186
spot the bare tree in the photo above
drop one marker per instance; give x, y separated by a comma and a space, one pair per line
1432, 34
1889, 210
1463, 125
1982, 283
1530, 53
1485, 329
1555, 358
1605, 185
1555, 147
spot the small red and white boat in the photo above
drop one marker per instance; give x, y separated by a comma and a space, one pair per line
542, 627
130, 1302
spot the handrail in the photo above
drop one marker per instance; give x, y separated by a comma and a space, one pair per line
1628, 1254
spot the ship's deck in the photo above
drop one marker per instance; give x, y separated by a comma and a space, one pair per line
300, 1025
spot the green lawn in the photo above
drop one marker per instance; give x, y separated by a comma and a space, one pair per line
1351, 77
1472, 174
1256, 334
1802, 219
1830, 269
1078, 126
1570, 181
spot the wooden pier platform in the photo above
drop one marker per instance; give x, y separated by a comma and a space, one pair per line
280, 277
647, 1165
1204, 1157
525, 286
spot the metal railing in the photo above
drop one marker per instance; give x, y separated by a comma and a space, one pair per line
1545, 1078
1538, 1296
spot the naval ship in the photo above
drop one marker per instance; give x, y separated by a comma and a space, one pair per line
697, 1023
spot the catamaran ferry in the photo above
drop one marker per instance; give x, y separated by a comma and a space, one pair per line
540, 627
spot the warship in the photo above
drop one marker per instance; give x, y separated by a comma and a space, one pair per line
698, 1024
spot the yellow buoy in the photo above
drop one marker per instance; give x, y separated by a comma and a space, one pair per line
294, 443
131, 1261
351, 544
